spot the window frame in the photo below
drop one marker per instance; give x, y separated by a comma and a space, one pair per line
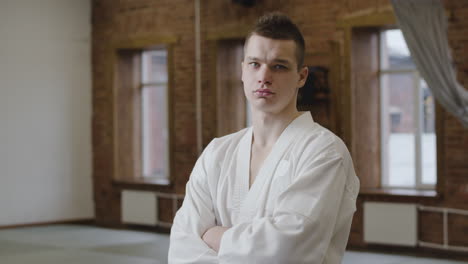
156, 85
346, 110
417, 115
129, 173
419, 185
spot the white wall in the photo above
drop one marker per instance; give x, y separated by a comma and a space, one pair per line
45, 111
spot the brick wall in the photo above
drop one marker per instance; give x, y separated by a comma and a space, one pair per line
126, 19
317, 19
456, 137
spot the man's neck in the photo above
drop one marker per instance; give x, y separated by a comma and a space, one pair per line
267, 128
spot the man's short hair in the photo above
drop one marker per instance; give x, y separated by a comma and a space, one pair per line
279, 26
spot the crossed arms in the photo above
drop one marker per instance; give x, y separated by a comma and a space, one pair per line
299, 231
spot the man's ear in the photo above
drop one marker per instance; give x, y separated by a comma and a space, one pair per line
303, 73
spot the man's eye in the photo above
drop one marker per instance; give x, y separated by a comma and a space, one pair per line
254, 64
279, 67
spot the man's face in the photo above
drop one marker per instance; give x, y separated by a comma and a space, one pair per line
270, 75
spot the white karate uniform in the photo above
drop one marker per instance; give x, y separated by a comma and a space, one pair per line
298, 209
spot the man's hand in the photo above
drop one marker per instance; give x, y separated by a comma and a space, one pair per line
212, 237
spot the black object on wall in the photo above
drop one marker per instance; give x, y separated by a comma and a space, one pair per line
315, 89
246, 3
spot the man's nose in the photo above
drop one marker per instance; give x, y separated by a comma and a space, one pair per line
264, 75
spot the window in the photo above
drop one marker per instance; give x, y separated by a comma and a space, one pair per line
407, 114
154, 114
142, 106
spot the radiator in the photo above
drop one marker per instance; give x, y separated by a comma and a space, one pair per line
139, 207
390, 223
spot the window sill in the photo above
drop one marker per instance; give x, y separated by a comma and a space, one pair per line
409, 193
153, 184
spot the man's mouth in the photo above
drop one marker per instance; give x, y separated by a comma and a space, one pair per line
263, 92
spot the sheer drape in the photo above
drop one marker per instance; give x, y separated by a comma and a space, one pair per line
424, 26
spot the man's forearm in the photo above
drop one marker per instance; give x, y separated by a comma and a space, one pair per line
212, 237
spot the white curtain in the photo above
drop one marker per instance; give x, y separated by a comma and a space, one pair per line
424, 26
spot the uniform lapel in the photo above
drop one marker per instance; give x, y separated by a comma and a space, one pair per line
253, 199
242, 169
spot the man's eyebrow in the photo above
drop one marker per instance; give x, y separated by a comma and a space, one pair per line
284, 61
252, 58
278, 60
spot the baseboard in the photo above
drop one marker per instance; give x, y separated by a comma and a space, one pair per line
410, 251
154, 229
84, 221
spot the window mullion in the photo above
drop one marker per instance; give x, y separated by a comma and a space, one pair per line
389, 71
384, 130
154, 83
144, 137
384, 159
418, 129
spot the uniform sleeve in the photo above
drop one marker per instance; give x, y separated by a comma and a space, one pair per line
193, 219
302, 224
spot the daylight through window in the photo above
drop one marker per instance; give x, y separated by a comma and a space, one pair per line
154, 117
407, 118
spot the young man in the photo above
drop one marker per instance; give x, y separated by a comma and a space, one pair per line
282, 191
